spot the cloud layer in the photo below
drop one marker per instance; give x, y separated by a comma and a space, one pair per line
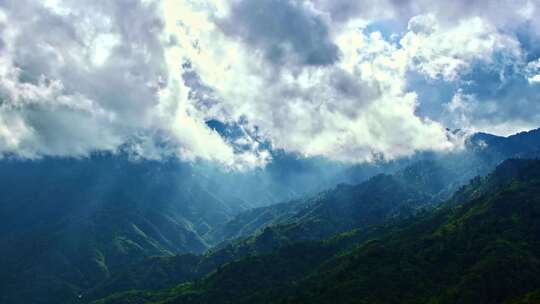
348, 80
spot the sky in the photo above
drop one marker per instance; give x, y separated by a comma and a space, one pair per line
347, 80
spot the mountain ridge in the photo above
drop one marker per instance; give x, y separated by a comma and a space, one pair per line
72, 226
491, 245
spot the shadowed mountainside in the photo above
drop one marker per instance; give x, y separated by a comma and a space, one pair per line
484, 249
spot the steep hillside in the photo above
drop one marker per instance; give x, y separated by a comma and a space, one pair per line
434, 176
72, 227
69, 224
344, 208
361, 207
484, 250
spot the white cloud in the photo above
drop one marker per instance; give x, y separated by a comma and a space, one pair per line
337, 111
56, 99
532, 72
83, 76
450, 51
80, 76
534, 79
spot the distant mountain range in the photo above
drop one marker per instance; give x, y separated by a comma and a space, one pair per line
425, 182
483, 248
75, 230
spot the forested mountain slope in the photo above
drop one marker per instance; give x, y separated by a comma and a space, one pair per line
484, 249
71, 227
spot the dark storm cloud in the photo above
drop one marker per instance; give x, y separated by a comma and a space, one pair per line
284, 31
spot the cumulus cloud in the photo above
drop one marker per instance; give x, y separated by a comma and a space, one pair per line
314, 77
498, 98
348, 111
504, 13
84, 76
533, 71
470, 113
72, 79
451, 51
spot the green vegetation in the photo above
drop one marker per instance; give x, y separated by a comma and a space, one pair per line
76, 230
381, 198
529, 298
485, 249
362, 207
68, 225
